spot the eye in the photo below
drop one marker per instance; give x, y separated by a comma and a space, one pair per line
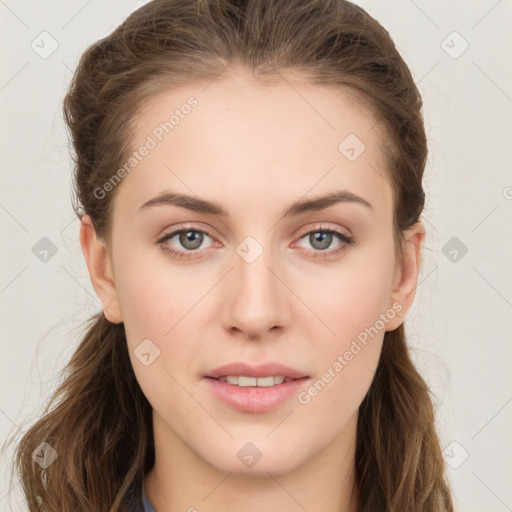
321, 238
189, 238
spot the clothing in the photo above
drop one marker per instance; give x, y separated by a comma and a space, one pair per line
147, 505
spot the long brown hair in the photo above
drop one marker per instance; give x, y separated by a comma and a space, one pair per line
98, 421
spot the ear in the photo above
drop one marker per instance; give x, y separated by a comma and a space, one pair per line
100, 270
405, 277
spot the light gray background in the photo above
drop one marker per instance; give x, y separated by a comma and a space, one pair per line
459, 328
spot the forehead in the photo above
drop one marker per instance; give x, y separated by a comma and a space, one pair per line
266, 143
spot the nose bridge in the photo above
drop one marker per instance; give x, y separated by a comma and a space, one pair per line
258, 298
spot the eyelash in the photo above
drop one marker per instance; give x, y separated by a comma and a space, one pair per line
344, 239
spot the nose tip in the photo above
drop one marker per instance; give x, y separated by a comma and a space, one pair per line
256, 302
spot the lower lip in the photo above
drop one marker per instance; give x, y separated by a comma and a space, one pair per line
255, 399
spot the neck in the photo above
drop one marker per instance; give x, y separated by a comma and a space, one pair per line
182, 481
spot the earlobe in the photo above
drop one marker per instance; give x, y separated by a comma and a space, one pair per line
99, 264
405, 279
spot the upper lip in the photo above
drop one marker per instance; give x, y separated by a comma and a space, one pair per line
261, 370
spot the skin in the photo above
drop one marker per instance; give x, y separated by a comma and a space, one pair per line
254, 149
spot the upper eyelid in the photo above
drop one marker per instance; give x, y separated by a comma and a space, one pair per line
176, 230
322, 227
172, 232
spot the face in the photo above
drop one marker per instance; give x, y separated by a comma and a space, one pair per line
313, 288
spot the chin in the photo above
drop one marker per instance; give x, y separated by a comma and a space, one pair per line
253, 459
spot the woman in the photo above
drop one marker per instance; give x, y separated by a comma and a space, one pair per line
249, 184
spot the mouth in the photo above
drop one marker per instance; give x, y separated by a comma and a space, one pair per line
261, 375
261, 382
255, 388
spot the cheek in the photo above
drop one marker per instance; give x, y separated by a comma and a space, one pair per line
163, 305
336, 394
350, 299
347, 357
154, 295
353, 307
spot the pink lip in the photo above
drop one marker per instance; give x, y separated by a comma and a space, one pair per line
255, 399
261, 370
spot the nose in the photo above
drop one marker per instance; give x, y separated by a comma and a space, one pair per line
256, 298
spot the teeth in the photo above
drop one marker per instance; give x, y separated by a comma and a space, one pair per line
253, 381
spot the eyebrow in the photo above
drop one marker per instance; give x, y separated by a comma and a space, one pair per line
298, 207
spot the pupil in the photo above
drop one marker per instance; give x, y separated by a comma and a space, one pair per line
191, 239
324, 240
